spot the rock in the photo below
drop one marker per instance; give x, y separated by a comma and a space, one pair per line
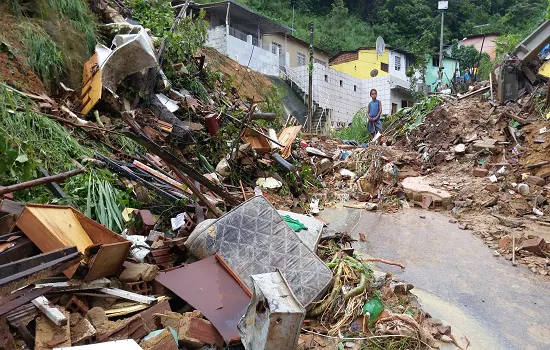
480, 172
523, 189
534, 181
324, 166
134, 272
534, 245
371, 206
378, 279
446, 339
402, 288
543, 272
453, 221
463, 226
489, 144
435, 322
493, 188
505, 242
446, 330
460, 149
496, 253
349, 345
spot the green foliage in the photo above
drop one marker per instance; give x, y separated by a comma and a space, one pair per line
78, 13
468, 56
43, 54
358, 130
183, 42
408, 119
506, 44
105, 202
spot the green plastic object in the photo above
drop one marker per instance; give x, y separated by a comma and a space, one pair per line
294, 224
374, 307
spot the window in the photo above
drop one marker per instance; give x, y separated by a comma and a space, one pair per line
354, 88
326, 78
341, 83
435, 61
384, 67
301, 59
397, 63
274, 48
323, 63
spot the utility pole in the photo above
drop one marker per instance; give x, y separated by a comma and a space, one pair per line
442, 5
310, 89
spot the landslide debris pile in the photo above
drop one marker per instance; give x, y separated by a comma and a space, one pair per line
125, 199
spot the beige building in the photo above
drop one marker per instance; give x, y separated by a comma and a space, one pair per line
294, 52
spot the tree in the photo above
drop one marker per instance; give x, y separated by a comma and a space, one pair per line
468, 56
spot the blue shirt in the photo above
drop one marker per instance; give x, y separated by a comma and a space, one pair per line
374, 108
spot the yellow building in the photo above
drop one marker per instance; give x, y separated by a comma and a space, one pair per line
364, 63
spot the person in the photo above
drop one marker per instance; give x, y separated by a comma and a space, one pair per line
467, 77
373, 114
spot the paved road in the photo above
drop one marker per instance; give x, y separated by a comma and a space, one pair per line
494, 304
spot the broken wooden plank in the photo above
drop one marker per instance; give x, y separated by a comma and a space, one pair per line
121, 311
75, 285
515, 117
40, 181
538, 165
128, 295
158, 175
16, 299
51, 312
473, 93
27, 271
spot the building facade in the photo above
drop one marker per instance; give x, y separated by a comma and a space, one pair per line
295, 52
485, 42
450, 65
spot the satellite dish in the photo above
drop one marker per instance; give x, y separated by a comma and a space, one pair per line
374, 73
380, 46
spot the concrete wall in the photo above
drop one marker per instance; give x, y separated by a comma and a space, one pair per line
293, 47
217, 39
489, 46
262, 61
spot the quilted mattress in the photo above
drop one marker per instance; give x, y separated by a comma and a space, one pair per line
254, 239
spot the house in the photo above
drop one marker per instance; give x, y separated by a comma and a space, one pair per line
364, 63
450, 65
295, 52
387, 74
239, 32
487, 42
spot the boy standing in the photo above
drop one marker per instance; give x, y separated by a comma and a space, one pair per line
373, 114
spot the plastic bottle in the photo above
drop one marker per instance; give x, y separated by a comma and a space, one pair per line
374, 307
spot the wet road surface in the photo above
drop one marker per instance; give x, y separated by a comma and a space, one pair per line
494, 304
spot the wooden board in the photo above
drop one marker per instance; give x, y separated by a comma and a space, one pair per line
287, 137
92, 85
51, 227
108, 260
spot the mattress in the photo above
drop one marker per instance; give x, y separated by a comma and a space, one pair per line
254, 239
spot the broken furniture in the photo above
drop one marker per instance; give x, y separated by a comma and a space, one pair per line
210, 287
253, 238
274, 317
53, 227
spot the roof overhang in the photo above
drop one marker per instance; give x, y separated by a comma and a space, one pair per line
243, 15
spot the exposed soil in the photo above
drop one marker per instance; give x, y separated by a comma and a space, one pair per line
14, 69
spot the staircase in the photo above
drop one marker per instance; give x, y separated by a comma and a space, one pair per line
321, 116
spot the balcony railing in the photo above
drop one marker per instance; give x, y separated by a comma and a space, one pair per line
242, 36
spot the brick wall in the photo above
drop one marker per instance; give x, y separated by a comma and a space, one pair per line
345, 57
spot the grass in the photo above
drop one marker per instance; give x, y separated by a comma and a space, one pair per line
81, 19
43, 54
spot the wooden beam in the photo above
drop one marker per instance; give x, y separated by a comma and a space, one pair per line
41, 181
70, 286
129, 295
50, 311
